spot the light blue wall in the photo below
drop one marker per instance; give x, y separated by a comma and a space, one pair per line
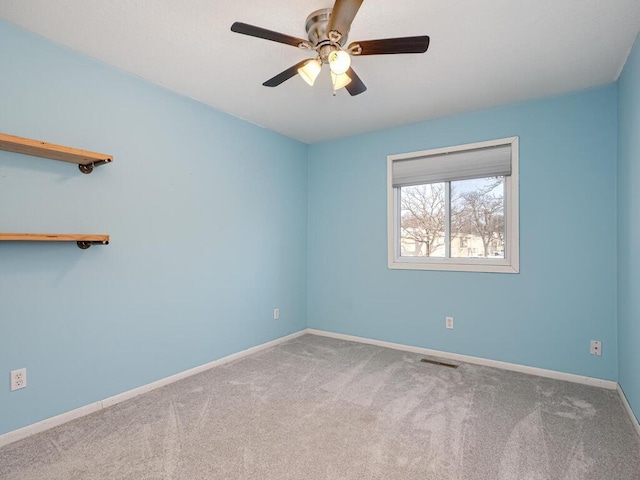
545, 316
629, 228
207, 216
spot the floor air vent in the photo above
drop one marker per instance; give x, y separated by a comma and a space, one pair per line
442, 363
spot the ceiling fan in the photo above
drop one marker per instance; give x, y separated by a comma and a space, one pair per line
327, 30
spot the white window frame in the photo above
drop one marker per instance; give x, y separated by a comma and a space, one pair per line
509, 264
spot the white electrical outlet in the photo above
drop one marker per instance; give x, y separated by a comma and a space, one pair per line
449, 322
18, 379
596, 347
276, 313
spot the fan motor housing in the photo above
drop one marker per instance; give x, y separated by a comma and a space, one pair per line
316, 27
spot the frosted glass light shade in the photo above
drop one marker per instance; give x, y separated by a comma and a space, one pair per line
310, 71
339, 61
340, 81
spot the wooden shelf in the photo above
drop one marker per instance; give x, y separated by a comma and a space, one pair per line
83, 241
85, 160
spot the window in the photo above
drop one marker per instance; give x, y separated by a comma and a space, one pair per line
455, 208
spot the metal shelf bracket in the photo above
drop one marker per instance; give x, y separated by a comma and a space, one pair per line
84, 244
88, 167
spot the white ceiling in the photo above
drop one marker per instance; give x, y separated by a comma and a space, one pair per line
482, 54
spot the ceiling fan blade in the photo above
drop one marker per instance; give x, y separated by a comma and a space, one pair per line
356, 86
286, 75
343, 13
391, 45
259, 32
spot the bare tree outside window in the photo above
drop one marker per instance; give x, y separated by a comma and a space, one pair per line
422, 221
476, 219
477, 214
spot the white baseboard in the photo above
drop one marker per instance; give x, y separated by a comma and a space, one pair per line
541, 372
49, 423
627, 407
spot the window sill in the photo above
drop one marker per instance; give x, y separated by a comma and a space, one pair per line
485, 267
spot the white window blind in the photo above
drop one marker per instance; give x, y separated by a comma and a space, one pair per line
492, 161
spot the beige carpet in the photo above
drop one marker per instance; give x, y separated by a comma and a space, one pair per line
319, 408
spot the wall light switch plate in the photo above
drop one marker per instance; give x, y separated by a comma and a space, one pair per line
276, 313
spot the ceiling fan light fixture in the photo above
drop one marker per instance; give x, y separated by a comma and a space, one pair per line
327, 32
340, 81
339, 61
310, 71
